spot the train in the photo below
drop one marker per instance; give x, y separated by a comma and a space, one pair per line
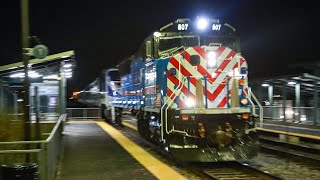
187, 85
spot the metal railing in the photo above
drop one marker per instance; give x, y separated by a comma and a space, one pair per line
45, 152
84, 113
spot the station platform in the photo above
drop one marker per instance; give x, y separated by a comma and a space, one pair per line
96, 150
292, 128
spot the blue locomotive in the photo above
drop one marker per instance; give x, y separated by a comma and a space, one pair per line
188, 86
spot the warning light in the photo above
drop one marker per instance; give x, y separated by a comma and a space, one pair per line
241, 82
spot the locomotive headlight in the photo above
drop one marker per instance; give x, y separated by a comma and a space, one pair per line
157, 34
244, 101
202, 23
211, 59
190, 102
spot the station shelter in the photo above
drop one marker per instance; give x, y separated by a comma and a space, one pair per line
47, 90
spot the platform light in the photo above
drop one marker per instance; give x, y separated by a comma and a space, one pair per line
265, 85
35, 75
53, 76
289, 112
202, 23
67, 65
68, 73
292, 83
17, 75
31, 74
67, 70
303, 118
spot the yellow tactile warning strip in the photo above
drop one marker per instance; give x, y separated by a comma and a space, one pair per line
290, 133
129, 125
153, 165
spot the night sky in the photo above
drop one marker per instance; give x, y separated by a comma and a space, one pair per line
273, 33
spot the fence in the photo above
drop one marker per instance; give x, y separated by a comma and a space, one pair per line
84, 113
45, 153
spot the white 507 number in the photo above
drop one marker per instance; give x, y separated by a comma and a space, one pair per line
216, 27
183, 27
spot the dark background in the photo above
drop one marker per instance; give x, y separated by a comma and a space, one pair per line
274, 34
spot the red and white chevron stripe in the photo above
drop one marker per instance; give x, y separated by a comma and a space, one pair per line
228, 63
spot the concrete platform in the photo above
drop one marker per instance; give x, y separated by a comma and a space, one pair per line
296, 129
97, 151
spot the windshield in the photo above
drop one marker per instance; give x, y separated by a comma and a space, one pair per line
173, 42
226, 41
114, 75
170, 43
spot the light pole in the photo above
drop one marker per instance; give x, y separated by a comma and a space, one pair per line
25, 58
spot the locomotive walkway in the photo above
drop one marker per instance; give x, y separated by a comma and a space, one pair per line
95, 150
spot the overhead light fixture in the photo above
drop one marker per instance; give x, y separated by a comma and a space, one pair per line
53, 76
67, 70
17, 75
67, 65
31, 74
264, 85
292, 83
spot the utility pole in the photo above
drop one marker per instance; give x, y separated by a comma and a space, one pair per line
25, 44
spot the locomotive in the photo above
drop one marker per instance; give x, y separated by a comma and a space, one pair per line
188, 86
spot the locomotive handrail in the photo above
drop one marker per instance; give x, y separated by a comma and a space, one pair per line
260, 108
181, 47
253, 106
166, 111
251, 102
169, 100
169, 52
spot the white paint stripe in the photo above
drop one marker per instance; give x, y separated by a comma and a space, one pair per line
223, 74
219, 98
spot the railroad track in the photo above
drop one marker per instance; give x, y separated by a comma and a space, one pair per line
231, 171
306, 151
219, 170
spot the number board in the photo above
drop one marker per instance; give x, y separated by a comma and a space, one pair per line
192, 27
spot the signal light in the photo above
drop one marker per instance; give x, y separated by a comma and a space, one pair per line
185, 117
244, 101
245, 116
241, 82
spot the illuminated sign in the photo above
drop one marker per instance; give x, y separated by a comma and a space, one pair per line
183, 27
186, 27
216, 27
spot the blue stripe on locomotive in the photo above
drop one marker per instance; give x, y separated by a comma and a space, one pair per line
161, 66
137, 68
133, 84
160, 81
